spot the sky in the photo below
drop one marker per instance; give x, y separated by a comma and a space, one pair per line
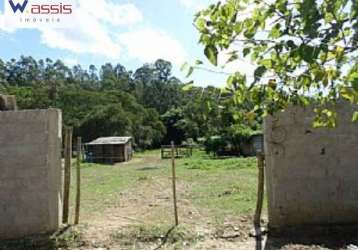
129, 32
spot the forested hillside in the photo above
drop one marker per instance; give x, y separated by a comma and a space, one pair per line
149, 103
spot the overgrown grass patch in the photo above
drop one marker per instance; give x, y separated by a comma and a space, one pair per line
225, 186
159, 235
201, 161
70, 238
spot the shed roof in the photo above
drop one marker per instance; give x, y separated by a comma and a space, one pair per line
110, 141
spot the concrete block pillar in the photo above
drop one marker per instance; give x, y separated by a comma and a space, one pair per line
30, 172
312, 174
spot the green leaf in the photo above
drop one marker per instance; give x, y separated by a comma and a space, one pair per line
188, 86
355, 117
325, 118
246, 51
201, 24
190, 71
259, 72
232, 58
266, 62
238, 27
275, 31
198, 62
230, 81
291, 44
249, 33
353, 78
211, 53
184, 66
347, 94
309, 53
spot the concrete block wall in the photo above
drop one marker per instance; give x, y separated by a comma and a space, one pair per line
30, 172
311, 174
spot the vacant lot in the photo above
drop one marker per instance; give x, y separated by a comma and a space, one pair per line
129, 205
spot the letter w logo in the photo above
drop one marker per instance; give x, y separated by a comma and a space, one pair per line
18, 6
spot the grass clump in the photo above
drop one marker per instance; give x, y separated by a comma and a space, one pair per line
201, 161
160, 236
68, 239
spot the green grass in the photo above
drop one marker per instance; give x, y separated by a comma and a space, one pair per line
223, 187
209, 190
68, 239
140, 236
101, 185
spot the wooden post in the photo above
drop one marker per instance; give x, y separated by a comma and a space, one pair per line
260, 189
174, 185
67, 173
78, 182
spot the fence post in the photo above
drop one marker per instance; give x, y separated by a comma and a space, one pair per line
174, 185
67, 173
78, 182
260, 189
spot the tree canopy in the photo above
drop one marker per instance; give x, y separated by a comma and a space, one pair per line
104, 102
304, 50
148, 104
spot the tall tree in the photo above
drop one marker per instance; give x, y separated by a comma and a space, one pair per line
3, 81
115, 77
156, 87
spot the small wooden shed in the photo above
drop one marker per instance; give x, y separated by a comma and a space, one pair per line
109, 150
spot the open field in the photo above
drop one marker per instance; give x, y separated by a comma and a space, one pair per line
129, 206
223, 187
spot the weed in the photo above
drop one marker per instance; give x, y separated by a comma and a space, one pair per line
156, 235
68, 239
